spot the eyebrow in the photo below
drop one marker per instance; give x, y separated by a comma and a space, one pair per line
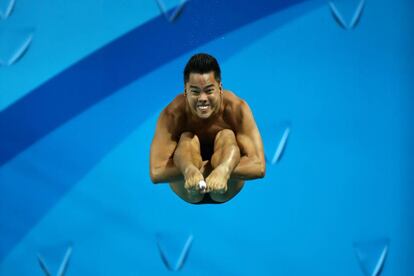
196, 87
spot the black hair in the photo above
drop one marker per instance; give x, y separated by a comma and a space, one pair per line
202, 63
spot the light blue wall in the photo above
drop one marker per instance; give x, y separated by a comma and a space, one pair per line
79, 108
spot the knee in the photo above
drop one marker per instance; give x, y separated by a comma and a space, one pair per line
225, 139
190, 137
186, 135
225, 135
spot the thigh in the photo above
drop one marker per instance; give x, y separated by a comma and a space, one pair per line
178, 188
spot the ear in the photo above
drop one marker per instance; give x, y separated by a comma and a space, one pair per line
185, 92
221, 88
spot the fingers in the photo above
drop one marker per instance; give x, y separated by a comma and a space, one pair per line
192, 179
195, 184
192, 187
216, 184
221, 189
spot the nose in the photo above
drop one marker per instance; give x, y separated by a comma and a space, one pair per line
202, 97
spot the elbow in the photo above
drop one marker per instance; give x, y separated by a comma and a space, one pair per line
155, 177
262, 170
261, 174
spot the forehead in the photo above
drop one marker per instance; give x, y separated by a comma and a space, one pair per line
198, 79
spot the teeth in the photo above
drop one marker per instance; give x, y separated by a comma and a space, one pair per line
203, 106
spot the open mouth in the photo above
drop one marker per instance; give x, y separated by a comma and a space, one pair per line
203, 107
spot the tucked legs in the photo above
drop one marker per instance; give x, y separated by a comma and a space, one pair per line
216, 172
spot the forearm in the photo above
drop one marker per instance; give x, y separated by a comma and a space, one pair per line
166, 173
249, 168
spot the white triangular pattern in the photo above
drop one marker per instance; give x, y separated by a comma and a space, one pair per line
355, 18
176, 12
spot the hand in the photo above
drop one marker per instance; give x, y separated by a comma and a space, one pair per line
217, 180
192, 177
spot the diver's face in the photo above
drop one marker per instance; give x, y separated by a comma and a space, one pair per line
203, 94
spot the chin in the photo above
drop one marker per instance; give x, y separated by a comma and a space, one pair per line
204, 116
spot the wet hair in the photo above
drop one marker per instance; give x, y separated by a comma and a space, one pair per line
202, 63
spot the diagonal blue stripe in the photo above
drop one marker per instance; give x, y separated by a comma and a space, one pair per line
38, 196
119, 63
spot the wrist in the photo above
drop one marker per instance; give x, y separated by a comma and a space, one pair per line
224, 169
188, 169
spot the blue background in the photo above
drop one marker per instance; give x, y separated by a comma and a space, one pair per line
78, 110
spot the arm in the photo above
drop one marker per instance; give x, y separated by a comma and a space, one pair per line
252, 163
162, 168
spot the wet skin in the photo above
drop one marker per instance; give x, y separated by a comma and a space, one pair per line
206, 133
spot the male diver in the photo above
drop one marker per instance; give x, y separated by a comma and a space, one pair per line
206, 141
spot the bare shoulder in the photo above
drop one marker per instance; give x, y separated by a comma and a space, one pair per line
230, 96
176, 106
172, 115
235, 104
174, 109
